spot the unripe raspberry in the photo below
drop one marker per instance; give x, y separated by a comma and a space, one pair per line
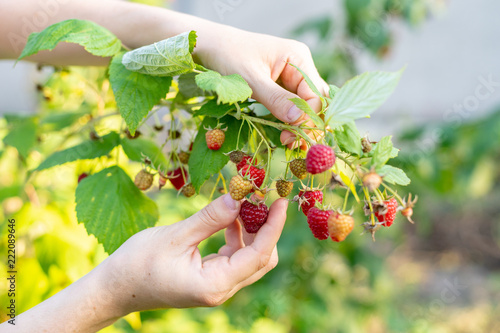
340, 226
298, 168
188, 190
284, 187
239, 187
372, 181
184, 157
143, 180
215, 138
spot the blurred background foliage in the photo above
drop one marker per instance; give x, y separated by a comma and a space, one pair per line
439, 275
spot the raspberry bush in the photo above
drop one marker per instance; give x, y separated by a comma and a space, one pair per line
210, 120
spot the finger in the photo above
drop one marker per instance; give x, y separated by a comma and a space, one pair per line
234, 240
277, 100
250, 259
293, 80
217, 215
257, 275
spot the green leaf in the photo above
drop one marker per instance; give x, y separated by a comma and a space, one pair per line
393, 175
304, 106
349, 139
214, 109
112, 208
360, 96
137, 149
382, 152
84, 151
22, 134
229, 89
311, 85
96, 39
333, 90
60, 120
169, 57
135, 93
188, 87
204, 162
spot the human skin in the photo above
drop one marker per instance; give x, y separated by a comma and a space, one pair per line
262, 60
161, 267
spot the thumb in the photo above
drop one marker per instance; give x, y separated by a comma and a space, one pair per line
217, 215
277, 100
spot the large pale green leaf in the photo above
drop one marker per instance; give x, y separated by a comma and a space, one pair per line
96, 39
137, 149
382, 152
348, 138
393, 175
360, 96
204, 162
169, 57
60, 120
22, 134
112, 208
84, 151
135, 93
229, 89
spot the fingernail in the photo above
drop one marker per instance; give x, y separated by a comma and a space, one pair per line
230, 203
289, 140
294, 114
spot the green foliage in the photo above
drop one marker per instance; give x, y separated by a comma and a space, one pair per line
22, 133
360, 96
348, 138
208, 162
112, 208
229, 88
135, 93
213, 109
382, 152
168, 57
96, 39
140, 148
86, 150
304, 106
393, 175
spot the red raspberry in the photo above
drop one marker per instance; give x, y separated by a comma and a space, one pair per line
319, 159
308, 199
246, 159
256, 175
215, 138
318, 222
253, 216
390, 215
176, 178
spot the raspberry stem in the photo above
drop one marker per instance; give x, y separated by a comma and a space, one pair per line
367, 196
394, 194
268, 165
223, 182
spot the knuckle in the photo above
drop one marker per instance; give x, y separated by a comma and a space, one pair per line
211, 299
275, 100
208, 216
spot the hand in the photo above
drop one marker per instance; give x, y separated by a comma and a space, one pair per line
262, 61
162, 267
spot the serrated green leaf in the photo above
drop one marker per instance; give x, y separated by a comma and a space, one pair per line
22, 134
349, 139
273, 134
382, 151
311, 85
229, 89
333, 90
393, 175
96, 39
394, 152
169, 57
137, 149
112, 208
204, 162
84, 151
135, 93
360, 96
304, 106
214, 109
188, 87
